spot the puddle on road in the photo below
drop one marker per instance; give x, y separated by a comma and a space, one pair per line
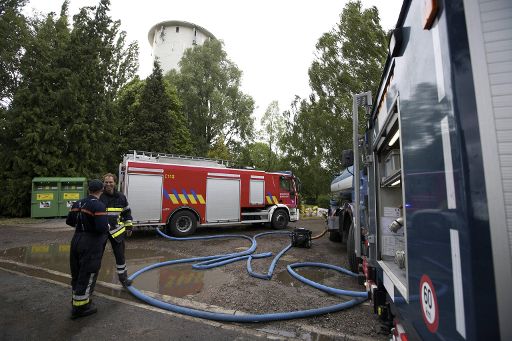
175, 280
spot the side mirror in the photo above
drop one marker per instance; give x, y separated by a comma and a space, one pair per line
347, 158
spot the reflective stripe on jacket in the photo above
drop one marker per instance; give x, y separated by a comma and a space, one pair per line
118, 212
88, 215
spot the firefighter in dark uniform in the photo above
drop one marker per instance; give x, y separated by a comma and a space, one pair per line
120, 220
89, 218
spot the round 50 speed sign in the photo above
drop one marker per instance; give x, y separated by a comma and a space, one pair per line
429, 307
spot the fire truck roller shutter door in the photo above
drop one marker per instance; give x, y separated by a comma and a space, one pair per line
222, 200
145, 196
257, 192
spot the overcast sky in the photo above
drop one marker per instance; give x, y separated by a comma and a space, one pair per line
271, 41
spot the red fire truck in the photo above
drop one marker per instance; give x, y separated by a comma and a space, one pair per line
183, 192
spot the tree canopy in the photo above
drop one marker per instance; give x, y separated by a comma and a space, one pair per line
13, 33
62, 108
208, 85
158, 123
273, 125
70, 104
349, 60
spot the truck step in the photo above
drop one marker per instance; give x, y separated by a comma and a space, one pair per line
254, 221
254, 213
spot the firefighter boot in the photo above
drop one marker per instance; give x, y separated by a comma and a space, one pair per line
81, 311
123, 278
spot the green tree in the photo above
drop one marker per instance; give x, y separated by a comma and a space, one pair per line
181, 138
261, 156
350, 59
208, 85
61, 111
127, 107
35, 134
303, 143
220, 151
13, 35
159, 124
273, 130
100, 64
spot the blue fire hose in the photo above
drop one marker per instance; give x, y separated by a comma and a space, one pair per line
208, 262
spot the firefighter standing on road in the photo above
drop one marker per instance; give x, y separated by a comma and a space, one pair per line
120, 220
89, 218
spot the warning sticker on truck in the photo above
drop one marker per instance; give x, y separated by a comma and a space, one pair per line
429, 307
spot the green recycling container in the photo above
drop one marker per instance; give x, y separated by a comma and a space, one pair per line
71, 189
45, 197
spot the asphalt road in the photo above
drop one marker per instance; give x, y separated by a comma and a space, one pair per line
35, 295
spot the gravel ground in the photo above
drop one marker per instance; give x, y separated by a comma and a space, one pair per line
230, 287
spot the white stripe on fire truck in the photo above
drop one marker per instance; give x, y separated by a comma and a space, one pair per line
224, 175
149, 170
458, 292
448, 164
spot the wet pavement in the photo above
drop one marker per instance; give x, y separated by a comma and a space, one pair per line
41, 251
177, 280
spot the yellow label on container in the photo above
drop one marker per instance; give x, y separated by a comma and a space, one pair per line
72, 196
40, 248
44, 196
64, 247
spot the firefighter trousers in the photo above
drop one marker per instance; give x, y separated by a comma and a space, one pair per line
118, 248
85, 262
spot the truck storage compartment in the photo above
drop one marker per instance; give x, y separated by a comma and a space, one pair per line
222, 200
391, 231
392, 163
144, 193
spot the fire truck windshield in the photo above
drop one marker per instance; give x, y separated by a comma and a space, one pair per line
285, 184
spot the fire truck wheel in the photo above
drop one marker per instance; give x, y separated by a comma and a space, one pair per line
351, 254
182, 224
279, 219
334, 236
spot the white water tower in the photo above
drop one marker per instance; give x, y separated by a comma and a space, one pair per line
170, 39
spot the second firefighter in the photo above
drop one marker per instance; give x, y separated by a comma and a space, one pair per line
120, 221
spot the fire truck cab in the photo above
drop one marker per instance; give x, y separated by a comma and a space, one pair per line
184, 192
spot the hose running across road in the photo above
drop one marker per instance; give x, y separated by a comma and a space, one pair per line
208, 262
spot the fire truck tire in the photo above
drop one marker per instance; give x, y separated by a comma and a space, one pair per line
279, 219
345, 227
183, 223
351, 250
334, 236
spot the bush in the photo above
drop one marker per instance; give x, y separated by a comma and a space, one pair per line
323, 200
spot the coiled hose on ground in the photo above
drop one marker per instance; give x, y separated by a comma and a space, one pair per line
208, 262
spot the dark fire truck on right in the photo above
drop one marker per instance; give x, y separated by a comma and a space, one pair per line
431, 221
